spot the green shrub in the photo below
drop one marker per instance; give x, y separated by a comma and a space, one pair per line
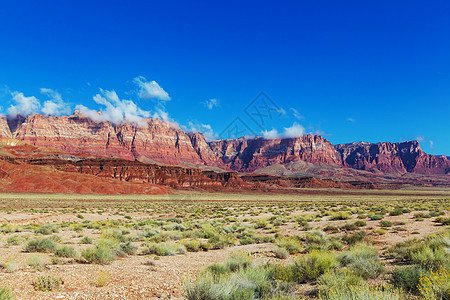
385, 224
280, 253
291, 244
362, 292
16, 239
6, 294
101, 255
192, 245
376, 217
86, 240
128, 248
36, 261
46, 229
337, 280
66, 251
363, 260
435, 285
312, 265
40, 245
47, 283
354, 238
239, 261
164, 249
339, 216
407, 278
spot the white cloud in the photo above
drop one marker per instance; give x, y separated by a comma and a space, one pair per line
295, 130
431, 144
23, 106
211, 103
351, 120
116, 110
150, 89
420, 138
56, 105
204, 129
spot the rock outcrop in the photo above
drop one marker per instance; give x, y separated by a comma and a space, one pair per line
246, 155
392, 158
161, 142
5, 133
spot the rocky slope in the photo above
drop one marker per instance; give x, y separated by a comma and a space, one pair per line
248, 155
392, 158
164, 143
158, 141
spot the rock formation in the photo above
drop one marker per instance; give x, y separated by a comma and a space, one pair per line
161, 142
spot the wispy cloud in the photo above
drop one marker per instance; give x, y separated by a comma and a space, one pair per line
296, 114
55, 105
23, 105
204, 129
295, 130
150, 89
115, 110
211, 103
351, 120
431, 144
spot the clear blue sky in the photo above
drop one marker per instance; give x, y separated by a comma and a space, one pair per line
354, 70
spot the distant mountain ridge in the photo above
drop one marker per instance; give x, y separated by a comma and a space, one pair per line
161, 142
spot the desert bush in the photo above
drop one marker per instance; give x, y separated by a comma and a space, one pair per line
10, 266
40, 245
280, 253
128, 248
47, 283
239, 261
249, 283
220, 241
337, 280
36, 261
191, 245
312, 265
6, 294
339, 216
46, 229
164, 249
407, 278
363, 260
376, 217
101, 279
101, 255
385, 224
354, 238
362, 292
435, 285
443, 221
16, 239
86, 240
66, 251
291, 244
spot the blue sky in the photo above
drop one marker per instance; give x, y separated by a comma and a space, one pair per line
349, 70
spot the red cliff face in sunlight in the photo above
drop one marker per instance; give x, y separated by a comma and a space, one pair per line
161, 142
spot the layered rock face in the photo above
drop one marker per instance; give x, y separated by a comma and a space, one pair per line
249, 155
392, 158
5, 133
158, 141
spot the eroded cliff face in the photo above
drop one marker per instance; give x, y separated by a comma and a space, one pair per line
5, 133
249, 155
392, 158
158, 141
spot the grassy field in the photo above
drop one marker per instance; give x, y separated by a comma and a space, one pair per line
314, 244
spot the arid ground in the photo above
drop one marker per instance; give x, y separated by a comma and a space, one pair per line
145, 247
